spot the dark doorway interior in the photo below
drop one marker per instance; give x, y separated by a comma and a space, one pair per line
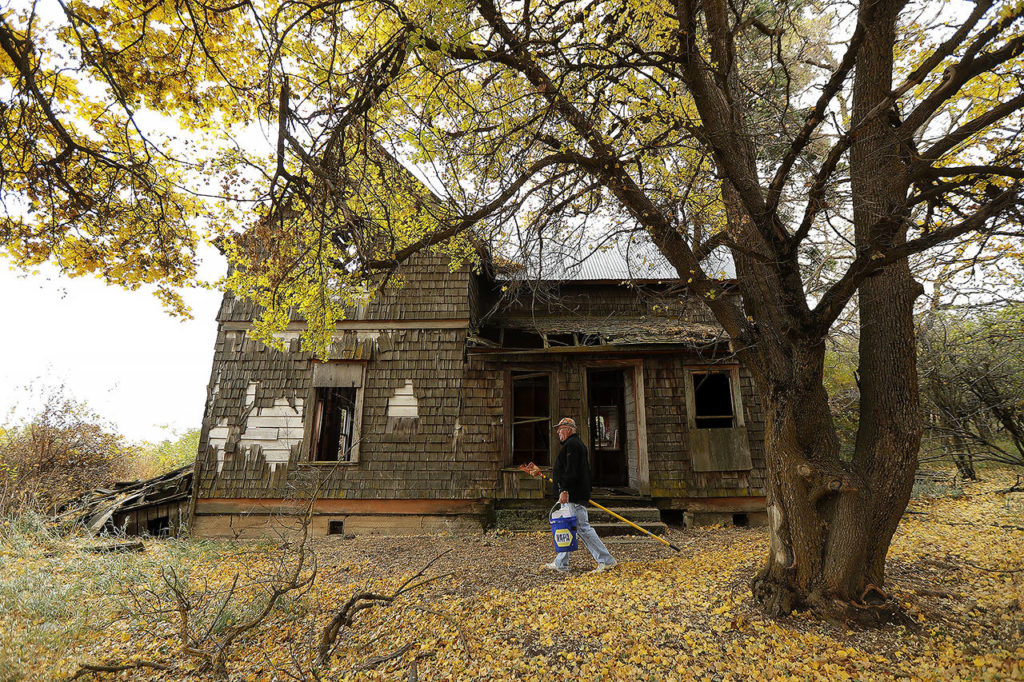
606, 397
332, 426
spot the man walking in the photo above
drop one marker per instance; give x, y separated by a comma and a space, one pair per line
572, 479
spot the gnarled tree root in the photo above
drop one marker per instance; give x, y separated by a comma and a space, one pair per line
774, 596
778, 598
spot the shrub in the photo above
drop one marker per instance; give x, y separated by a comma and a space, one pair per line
61, 452
168, 454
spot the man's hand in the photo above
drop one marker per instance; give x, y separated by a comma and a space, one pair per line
563, 497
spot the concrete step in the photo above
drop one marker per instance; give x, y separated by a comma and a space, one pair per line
648, 518
615, 529
638, 515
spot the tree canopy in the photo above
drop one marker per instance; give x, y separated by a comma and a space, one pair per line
824, 144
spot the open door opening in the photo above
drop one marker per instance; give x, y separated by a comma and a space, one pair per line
608, 432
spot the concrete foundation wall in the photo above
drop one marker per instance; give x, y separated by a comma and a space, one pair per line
246, 526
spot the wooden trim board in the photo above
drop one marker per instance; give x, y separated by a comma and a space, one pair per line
255, 505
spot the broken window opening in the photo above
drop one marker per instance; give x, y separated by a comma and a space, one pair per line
712, 392
334, 425
531, 418
160, 527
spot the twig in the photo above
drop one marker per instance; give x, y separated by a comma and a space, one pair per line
413, 667
377, 660
992, 570
928, 592
1017, 487
366, 600
116, 547
1008, 526
968, 562
93, 668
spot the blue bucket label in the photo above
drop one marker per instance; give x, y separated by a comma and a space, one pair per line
563, 532
563, 537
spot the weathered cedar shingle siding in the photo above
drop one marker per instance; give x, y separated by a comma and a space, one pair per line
430, 292
425, 463
458, 444
671, 472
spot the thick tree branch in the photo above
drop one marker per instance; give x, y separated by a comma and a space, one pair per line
816, 195
814, 118
871, 261
975, 170
611, 171
973, 127
467, 222
954, 79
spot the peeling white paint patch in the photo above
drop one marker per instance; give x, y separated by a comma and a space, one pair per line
218, 438
275, 429
403, 402
250, 393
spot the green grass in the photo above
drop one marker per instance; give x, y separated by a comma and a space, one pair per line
56, 596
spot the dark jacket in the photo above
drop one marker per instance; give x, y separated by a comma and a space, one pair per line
572, 470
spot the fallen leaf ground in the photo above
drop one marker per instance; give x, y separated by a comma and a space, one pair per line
956, 567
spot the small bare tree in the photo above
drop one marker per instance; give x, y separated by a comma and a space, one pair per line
972, 371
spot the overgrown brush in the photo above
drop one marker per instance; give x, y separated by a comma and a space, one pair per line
57, 592
62, 451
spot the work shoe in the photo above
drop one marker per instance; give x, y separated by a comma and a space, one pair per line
552, 567
601, 568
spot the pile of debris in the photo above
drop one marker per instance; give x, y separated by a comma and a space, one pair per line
157, 506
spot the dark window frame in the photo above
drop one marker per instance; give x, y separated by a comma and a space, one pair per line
329, 375
709, 399
333, 439
542, 434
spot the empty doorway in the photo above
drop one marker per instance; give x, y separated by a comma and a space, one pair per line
608, 432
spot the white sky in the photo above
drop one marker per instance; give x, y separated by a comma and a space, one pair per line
117, 350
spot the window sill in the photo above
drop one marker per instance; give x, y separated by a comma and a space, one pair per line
328, 464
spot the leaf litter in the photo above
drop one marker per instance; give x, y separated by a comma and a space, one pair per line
657, 616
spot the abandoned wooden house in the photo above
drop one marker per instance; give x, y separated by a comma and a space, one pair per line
437, 390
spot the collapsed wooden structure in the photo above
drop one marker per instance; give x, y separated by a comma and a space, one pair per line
157, 506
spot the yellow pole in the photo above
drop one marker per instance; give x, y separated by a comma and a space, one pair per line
642, 530
620, 518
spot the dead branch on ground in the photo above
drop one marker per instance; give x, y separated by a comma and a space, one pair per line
94, 668
1017, 487
362, 601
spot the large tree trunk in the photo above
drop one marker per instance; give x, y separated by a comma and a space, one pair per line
889, 431
832, 521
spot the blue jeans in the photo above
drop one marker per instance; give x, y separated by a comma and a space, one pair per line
588, 536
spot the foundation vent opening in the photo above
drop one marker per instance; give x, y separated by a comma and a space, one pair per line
740, 520
336, 527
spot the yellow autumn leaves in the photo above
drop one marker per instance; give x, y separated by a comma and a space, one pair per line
685, 617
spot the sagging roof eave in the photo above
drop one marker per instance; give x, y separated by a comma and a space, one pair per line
727, 283
633, 349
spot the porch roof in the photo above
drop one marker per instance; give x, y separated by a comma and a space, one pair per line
592, 332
